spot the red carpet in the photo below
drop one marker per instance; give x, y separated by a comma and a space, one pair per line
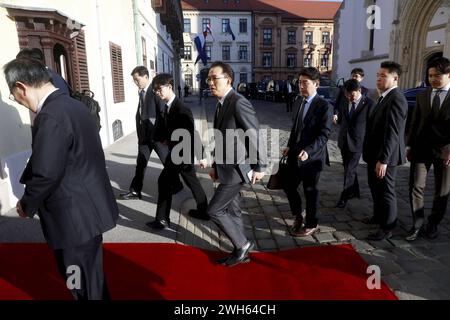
169, 271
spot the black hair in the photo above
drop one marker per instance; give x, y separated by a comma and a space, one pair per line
358, 71
352, 85
310, 72
33, 53
441, 64
141, 71
226, 69
28, 71
392, 67
162, 79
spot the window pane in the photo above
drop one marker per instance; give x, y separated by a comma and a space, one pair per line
187, 25
225, 52
243, 25
225, 22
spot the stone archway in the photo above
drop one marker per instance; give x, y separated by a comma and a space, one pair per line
408, 37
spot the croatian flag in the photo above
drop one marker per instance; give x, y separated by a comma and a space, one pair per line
228, 30
209, 30
201, 49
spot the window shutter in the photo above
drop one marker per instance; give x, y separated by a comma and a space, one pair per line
117, 72
80, 67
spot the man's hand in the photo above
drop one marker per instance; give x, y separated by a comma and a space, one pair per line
20, 210
203, 164
303, 156
380, 170
335, 119
447, 161
408, 154
213, 174
285, 152
257, 176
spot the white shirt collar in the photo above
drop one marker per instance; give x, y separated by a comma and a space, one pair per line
356, 102
42, 101
146, 88
384, 94
169, 103
446, 88
223, 99
310, 98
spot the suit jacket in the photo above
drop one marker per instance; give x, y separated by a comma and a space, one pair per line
66, 179
180, 117
148, 125
235, 157
385, 131
312, 136
429, 137
352, 130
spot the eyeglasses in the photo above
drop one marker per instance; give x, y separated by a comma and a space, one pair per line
209, 79
159, 89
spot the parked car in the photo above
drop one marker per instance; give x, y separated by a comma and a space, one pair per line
328, 93
410, 95
243, 89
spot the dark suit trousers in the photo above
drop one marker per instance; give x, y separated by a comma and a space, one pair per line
350, 161
168, 179
418, 179
310, 181
144, 152
383, 196
225, 211
88, 257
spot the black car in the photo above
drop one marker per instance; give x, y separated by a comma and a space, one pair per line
329, 93
410, 95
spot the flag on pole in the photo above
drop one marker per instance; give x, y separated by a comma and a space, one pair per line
201, 49
228, 30
209, 30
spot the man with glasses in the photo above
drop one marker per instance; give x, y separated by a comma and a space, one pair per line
245, 162
178, 122
66, 182
148, 129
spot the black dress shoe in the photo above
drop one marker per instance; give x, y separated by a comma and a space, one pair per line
194, 213
380, 235
371, 220
431, 231
225, 259
413, 234
241, 255
341, 204
158, 224
131, 195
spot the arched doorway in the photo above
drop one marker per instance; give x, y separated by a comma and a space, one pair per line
409, 44
60, 58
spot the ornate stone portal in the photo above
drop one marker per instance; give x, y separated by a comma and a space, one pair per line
408, 38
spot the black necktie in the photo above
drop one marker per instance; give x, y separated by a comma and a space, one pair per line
166, 112
352, 110
141, 100
436, 103
299, 122
216, 117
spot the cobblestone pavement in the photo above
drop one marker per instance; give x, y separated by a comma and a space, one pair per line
418, 270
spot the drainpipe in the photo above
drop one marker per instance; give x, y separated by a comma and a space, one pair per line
137, 33
102, 71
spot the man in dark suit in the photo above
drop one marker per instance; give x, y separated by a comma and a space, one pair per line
307, 151
429, 144
384, 148
178, 120
237, 159
148, 130
352, 118
66, 182
358, 75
